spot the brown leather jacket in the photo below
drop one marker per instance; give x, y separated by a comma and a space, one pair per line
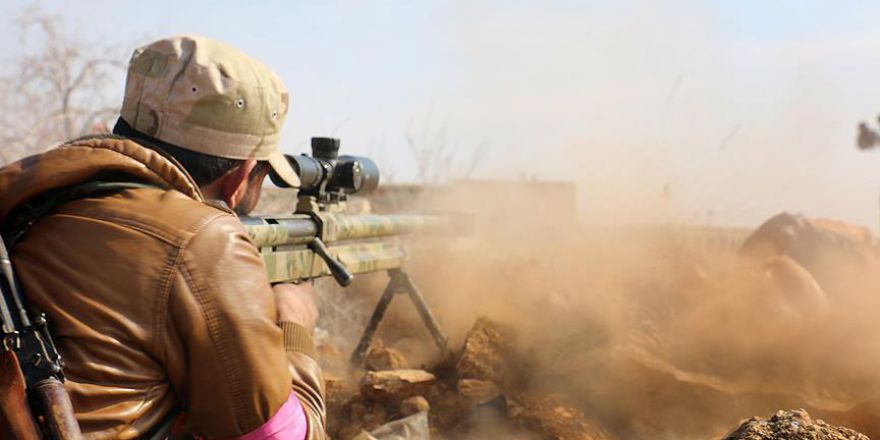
158, 301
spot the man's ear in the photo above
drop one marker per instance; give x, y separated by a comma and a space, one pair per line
235, 183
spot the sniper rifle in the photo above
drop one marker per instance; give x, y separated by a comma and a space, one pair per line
320, 239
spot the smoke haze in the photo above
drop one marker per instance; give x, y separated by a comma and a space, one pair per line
681, 112
656, 331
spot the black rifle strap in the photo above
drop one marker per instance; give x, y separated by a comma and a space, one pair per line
26, 214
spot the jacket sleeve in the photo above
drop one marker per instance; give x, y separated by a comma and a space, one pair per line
225, 354
308, 383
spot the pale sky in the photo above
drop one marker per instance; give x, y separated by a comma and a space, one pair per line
682, 111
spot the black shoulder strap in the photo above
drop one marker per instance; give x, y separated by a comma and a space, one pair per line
25, 215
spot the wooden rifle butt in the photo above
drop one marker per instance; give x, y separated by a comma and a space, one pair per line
16, 420
57, 411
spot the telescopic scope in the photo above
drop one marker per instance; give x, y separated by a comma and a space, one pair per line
325, 171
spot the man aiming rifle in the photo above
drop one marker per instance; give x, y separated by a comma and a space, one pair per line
155, 295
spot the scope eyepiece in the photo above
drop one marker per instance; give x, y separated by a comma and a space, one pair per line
326, 172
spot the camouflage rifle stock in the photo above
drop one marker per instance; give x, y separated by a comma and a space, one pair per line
320, 240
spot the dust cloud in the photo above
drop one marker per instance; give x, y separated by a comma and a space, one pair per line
666, 124
658, 331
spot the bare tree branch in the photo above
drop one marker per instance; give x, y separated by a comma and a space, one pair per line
56, 90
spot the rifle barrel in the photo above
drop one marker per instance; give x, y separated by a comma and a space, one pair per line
278, 231
10, 288
301, 229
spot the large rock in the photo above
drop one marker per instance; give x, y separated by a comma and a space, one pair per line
484, 353
800, 238
791, 425
838, 255
380, 358
396, 385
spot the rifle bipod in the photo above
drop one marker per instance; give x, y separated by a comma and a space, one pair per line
399, 282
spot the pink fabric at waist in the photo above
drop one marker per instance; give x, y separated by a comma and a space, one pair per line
288, 423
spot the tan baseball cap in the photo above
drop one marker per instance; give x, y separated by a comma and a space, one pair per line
202, 95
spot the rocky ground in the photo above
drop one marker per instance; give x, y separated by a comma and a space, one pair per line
472, 393
478, 393
791, 425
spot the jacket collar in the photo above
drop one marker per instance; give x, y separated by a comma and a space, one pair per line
86, 160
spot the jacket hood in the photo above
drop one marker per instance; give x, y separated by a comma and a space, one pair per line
86, 160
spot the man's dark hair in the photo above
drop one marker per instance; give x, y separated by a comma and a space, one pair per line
204, 168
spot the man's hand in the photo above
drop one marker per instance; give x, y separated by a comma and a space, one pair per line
296, 303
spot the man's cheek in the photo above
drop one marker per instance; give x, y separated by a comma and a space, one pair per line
246, 205
250, 199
